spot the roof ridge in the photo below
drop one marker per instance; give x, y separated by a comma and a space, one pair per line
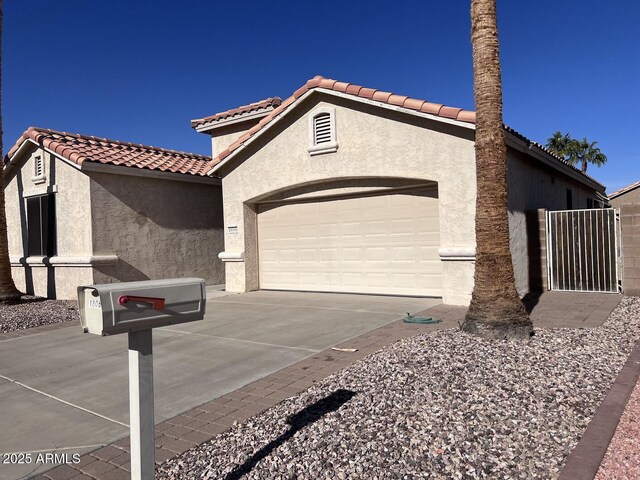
117, 142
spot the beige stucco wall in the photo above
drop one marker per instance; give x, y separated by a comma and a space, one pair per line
372, 143
73, 226
225, 135
533, 186
158, 228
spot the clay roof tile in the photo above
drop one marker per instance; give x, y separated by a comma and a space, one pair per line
433, 108
449, 112
78, 148
353, 89
381, 96
397, 100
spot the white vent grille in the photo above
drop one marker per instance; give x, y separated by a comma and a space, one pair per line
322, 128
39, 167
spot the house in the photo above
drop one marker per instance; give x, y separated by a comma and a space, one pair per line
627, 200
86, 210
343, 188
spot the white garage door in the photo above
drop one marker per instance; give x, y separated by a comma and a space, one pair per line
386, 244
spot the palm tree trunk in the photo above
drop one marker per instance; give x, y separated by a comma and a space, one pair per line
496, 309
8, 290
584, 165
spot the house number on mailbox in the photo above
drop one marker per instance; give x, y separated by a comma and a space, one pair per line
94, 303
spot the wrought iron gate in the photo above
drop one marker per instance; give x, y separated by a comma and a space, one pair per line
583, 250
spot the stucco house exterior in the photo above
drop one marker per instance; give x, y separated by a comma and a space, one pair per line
343, 188
627, 199
87, 210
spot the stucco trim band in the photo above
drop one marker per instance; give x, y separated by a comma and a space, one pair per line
467, 254
97, 260
231, 256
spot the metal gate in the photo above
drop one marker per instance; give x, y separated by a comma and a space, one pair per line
583, 250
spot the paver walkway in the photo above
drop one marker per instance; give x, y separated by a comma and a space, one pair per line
196, 426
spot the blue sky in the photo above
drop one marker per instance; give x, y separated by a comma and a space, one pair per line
141, 70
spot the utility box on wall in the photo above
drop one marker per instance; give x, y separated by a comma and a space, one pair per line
133, 306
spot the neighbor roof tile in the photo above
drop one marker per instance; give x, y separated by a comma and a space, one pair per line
81, 148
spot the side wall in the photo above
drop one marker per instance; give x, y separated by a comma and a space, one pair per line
157, 228
58, 276
629, 205
534, 186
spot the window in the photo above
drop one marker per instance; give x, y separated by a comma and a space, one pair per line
38, 170
322, 131
41, 226
589, 203
569, 199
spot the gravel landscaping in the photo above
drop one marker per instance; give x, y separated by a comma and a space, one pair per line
438, 405
622, 460
35, 311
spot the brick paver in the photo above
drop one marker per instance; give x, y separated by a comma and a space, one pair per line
198, 425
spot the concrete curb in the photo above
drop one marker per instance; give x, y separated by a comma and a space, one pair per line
584, 461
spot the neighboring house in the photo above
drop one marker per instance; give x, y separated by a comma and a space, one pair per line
627, 199
85, 210
629, 195
342, 188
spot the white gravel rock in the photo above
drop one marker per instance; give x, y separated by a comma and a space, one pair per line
36, 311
438, 405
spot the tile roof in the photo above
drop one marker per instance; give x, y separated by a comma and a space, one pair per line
357, 91
624, 190
81, 148
236, 112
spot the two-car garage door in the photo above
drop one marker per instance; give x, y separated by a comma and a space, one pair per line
379, 244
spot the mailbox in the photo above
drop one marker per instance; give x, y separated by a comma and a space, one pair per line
133, 306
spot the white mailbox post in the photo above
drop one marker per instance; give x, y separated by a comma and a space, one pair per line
136, 308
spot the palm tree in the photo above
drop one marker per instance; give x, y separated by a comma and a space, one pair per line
495, 310
576, 152
560, 144
586, 152
8, 290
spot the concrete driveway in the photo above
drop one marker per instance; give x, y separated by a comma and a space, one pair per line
66, 392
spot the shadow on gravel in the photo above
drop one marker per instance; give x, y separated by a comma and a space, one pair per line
297, 422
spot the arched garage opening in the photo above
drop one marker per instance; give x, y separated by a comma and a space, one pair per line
374, 236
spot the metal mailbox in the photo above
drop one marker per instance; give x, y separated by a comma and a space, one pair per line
114, 308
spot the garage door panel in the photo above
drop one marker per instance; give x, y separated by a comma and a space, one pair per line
386, 244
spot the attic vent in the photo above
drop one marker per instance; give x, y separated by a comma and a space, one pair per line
322, 131
38, 170
322, 128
